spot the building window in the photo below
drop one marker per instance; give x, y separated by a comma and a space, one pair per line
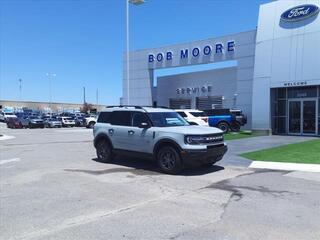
279, 110
302, 92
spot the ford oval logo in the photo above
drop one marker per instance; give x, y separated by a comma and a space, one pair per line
299, 13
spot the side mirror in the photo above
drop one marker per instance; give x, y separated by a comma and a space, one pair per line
144, 125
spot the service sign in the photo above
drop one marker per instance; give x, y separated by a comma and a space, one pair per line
299, 13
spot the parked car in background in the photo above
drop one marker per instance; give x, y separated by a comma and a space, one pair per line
14, 122
91, 121
223, 119
52, 123
4, 116
80, 121
32, 121
193, 116
67, 121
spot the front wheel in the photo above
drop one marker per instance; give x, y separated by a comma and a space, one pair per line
91, 124
104, 151
224, 127
169, 160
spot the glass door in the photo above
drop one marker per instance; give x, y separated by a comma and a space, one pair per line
302, 117
309, 117
294, 117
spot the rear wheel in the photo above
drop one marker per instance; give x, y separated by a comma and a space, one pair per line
235, 127
224, 126
169, 160
104, 151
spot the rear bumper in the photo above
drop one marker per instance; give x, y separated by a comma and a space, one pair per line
212, 155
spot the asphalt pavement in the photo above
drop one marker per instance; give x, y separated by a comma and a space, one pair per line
53, 187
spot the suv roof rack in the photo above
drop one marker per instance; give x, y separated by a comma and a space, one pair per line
157, 107
123, 106
126, 106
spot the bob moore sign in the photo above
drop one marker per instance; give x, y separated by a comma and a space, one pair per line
193, 90
299, 13
207, 50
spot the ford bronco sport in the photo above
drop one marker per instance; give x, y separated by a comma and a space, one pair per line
157, 133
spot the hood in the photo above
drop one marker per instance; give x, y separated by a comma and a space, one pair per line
36, 120
191, 130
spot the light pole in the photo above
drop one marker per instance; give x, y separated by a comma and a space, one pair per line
20, 88
135, 2
50, 77
235, 100
97, 96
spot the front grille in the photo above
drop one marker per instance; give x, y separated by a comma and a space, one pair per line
211, 139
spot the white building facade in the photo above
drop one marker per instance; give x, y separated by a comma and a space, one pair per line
275, 80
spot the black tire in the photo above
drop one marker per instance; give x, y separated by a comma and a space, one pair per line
235, 127
104, 151
224, 126
169, 160
91, 124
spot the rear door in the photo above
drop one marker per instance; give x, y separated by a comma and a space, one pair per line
119, 129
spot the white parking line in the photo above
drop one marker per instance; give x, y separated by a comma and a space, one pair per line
9, 160
5, 137
286, 166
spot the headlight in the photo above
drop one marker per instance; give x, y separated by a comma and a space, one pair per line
209, 139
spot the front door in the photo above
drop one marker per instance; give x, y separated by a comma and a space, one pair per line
302, 117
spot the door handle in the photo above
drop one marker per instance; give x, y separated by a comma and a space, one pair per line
131, 132
111, 131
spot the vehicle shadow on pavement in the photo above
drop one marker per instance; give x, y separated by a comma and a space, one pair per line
146, 167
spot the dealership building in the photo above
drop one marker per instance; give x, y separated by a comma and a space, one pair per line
274, 77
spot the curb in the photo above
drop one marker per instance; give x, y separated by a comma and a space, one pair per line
286, 166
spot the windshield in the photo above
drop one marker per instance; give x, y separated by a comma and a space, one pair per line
167, 119
198, 114
9, 113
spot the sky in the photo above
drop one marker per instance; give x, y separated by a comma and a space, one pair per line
82, 41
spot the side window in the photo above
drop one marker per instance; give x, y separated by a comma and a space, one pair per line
138, 118
104, 117
121, 118
182, 114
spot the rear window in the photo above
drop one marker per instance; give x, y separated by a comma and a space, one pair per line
121, 118
198, 114
182, 114
104, 117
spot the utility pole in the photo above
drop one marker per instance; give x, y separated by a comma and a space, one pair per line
50, 77
84, 95
20, 88
97, 96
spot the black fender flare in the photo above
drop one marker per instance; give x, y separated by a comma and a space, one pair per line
102, 136
166, 141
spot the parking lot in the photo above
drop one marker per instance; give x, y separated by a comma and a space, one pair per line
53, 187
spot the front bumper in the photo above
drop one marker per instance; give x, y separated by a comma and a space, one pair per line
36, 125
212, 154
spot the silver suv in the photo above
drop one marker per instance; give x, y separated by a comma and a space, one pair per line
156, 133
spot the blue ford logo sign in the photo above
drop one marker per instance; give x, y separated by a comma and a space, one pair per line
299, 13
